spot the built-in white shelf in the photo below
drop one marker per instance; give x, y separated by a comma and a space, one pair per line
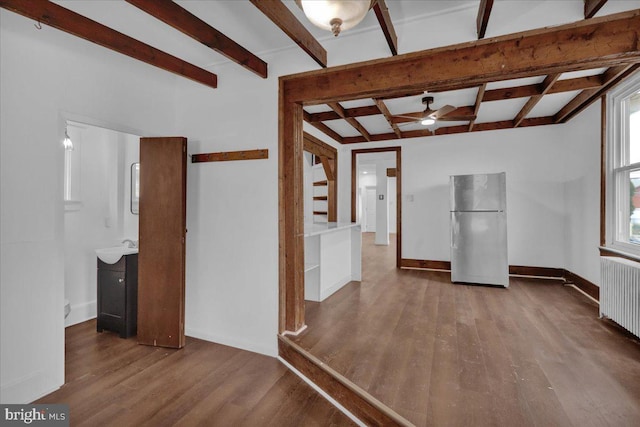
333, 258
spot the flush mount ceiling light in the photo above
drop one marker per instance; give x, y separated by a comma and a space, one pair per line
335, 15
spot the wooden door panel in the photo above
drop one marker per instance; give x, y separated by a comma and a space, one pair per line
162, 225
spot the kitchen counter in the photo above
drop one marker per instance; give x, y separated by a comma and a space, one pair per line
333, 258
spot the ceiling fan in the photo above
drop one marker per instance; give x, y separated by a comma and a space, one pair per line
430, 116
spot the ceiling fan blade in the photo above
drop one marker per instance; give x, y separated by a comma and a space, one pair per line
442, 111
407, 117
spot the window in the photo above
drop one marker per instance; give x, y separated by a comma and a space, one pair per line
623, 203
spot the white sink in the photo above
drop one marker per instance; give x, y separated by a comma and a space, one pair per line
113, 254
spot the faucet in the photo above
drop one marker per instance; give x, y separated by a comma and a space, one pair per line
130, 243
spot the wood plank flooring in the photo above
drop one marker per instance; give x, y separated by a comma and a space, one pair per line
116, 382
441, 354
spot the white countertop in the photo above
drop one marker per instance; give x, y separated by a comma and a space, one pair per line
315, 228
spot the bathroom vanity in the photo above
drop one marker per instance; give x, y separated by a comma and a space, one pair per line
118, 296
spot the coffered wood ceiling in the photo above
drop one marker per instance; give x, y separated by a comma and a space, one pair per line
483, 103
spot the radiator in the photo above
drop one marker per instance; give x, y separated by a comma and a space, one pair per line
620, 292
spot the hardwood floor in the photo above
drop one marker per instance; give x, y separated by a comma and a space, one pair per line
116, 382
441, 354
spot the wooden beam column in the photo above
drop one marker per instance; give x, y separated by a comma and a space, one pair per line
291, 214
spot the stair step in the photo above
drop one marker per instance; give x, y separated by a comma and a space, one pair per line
319, 213
319, 183
320, 198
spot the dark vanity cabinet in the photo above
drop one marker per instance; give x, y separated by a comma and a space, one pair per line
118, 296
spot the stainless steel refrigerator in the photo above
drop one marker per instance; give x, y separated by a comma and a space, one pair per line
479, 229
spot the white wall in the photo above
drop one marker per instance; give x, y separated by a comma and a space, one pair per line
46, 77
382, 206
534, 163
582, 194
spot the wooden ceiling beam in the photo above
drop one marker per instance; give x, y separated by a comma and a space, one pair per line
476, 105
318, 147
280, 15
591, 7
533, 101
567, 85
369, 110
382, 13
323, 128
184, 21
353, 122
73, 23
450, 130
484, 12
610, 78
459, 114
599, 42
387, 115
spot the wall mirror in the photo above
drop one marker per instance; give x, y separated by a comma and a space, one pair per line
135, 188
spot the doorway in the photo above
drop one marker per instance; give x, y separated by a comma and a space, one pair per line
357, 194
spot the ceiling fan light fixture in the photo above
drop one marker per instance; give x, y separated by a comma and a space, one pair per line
335, 15
427, 121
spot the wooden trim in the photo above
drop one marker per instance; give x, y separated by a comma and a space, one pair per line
603, 170
591, 7
361, 404
482, 21
583, 284
425, 264
184, 21
71, 22
521, 270
320, 183
386, 24
392, 172
230, 155
320, 198
517, 270
280, 15
320, 212
354, 191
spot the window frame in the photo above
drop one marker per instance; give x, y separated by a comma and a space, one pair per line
617, 153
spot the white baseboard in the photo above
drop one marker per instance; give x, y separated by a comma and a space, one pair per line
81, 313
22, 390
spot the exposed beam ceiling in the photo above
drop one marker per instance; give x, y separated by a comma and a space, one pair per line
382, 13
591, 7
588, 44
353, 122
182, 20
280, 15
73, 23
544, 88
484, 12
615, 44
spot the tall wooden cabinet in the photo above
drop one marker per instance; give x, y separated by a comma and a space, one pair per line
162, 228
